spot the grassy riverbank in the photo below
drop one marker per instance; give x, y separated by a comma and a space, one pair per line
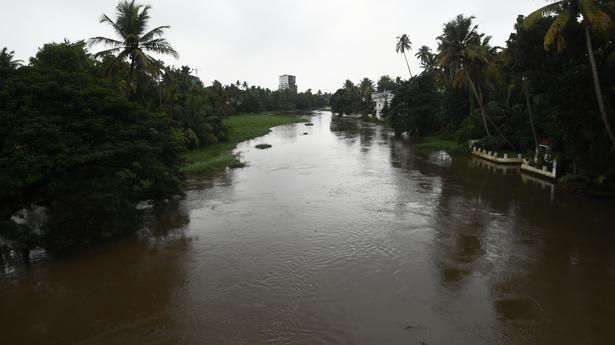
443, 143
243, 127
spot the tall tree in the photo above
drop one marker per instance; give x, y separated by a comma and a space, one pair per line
427, 58
526, 91
468, 57
135, 42
593, 18
7, 59
458, 34
404, 44
366, 87
385, 83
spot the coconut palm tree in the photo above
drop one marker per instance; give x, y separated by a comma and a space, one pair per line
458, 34
479, 70
404, 44
134, 42
593, 18
526, 91
469, 58
427, 58
7, 61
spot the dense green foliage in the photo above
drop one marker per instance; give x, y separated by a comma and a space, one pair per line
85, 139
73, 143
357, 99
520, 95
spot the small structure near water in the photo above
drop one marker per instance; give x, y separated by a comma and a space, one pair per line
543, 163
495, 157
492, 167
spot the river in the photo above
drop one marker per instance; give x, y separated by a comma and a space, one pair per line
345, 235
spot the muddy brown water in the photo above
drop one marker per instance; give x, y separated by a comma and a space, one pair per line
346, 235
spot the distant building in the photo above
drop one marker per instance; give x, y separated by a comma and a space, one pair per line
288, 82
380, 99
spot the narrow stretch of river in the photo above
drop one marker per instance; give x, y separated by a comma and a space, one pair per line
345, 235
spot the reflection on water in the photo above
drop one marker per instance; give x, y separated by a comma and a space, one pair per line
346, 235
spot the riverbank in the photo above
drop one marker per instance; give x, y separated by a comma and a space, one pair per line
242, 127
444, 143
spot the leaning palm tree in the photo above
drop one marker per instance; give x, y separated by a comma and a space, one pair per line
458, 34
404, 44
479, 69
593, 18
469, 59
7, 59
134, 42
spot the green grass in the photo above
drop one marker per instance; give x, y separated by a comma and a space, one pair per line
243, 127
442, 143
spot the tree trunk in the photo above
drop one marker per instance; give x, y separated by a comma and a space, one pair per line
529, 109
130, 78
160, 95
592, 61
451, 72
132, 67
480, 104
407, 64
25, 255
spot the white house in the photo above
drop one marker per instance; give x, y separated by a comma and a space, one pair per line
380, 99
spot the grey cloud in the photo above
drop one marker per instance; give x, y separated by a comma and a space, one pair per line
322, 42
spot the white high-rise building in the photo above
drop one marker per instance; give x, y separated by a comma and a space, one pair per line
288, 82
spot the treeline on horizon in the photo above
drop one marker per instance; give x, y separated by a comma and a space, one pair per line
85, 137
357, 98
539, 88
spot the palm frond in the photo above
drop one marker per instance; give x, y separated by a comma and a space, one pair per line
555, 30
117, 28
598, 19
104, 40
107, 52
143, 18
128, 13
6, 59
445, 60
160, 46
545, 11
154, 33
119, 58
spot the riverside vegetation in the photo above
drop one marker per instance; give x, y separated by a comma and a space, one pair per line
242, 127
553, 82
85, 137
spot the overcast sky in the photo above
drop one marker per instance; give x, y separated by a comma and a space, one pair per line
322, 42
